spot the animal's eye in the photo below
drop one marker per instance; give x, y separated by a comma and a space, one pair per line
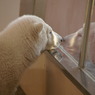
79, 35
50, 32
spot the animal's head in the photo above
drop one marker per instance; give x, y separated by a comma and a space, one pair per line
46, 38
73, 41
53, 38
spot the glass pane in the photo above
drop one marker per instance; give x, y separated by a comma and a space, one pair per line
72, 41
66, 18
90, 60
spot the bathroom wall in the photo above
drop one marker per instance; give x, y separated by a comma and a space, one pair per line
66, 16
34, 7
9, 10
27, 7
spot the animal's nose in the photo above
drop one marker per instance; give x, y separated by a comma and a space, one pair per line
62, 40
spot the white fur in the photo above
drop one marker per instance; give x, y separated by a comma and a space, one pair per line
21, 42
73, 42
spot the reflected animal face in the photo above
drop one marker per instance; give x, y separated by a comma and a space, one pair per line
73, 42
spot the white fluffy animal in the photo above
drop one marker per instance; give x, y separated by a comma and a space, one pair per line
21, 42
73, 41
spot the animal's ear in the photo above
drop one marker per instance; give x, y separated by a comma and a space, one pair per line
38, 27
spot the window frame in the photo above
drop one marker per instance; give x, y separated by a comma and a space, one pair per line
84, 44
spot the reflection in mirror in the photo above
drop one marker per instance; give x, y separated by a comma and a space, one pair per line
72, 43
66, 17
90, 60
84, 44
